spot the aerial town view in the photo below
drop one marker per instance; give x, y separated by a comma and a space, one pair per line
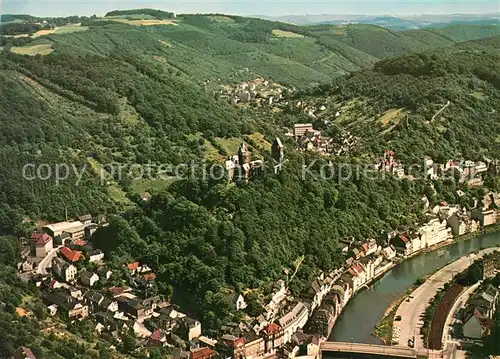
249, 180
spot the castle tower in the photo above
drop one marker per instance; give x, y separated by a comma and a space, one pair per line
244, 155
277, 151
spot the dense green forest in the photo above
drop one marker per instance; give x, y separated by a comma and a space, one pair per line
119, 94
233, 48
393, 105
157, 14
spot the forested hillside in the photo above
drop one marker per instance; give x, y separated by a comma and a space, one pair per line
442, 104
121, 92
230, 48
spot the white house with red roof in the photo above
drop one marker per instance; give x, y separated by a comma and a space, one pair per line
43, 244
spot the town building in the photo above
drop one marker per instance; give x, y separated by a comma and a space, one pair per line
88, 278
299, 129
273, 336
74, 229
202, 353
254, 345
42, 244
294, 320
457, 225
67, 306
239, 302
434, 232
86, 219
491, 265
64, 270
24, 353
486, 217
389, 252
70, 255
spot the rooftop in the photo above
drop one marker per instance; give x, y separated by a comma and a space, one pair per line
70, 255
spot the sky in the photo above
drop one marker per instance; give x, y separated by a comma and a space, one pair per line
253, 7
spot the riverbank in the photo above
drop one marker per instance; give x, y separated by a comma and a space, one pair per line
411, 311
367, 309
384, 328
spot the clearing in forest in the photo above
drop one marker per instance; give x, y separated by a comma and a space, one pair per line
282, 33
42, 49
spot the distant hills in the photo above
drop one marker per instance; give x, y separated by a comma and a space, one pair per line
393, 22
123, 90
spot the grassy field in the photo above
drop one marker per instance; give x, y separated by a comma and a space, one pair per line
43, 49
231, 145
258, 139
391, 116
282, 33
151, 186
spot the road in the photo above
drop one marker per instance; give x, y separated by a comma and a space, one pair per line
412, 311
47, 261
450, 350
441, 110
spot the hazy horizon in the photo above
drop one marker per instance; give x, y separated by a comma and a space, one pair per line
272, 8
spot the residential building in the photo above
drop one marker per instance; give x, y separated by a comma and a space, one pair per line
434, 232
370, 247
134, 308
191, 328
273, 336
233, 346
293, 320
64, 270
42, 243
96, 256
202, 353
491, 265
403, 244
24, 353
278, 296
70, 255
300, 129
389, 252
88, 278
68, 307
486, 217
239, 302
254, 345
90, 229
85, 219
457, 225
157, 339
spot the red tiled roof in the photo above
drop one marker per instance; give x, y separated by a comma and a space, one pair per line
133, 266
70, 255
157, 335
365, 247
80, 243
239, 342
271, 329
150, 276
404, 238
28, 353
41, 239
202, 353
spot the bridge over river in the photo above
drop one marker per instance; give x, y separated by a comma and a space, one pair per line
360, 316
371, 351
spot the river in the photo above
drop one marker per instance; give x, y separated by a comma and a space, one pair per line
362, 313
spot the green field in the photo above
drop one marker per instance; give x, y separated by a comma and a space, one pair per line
32, 50
281, 33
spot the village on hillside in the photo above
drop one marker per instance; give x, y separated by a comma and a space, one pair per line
77, 284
